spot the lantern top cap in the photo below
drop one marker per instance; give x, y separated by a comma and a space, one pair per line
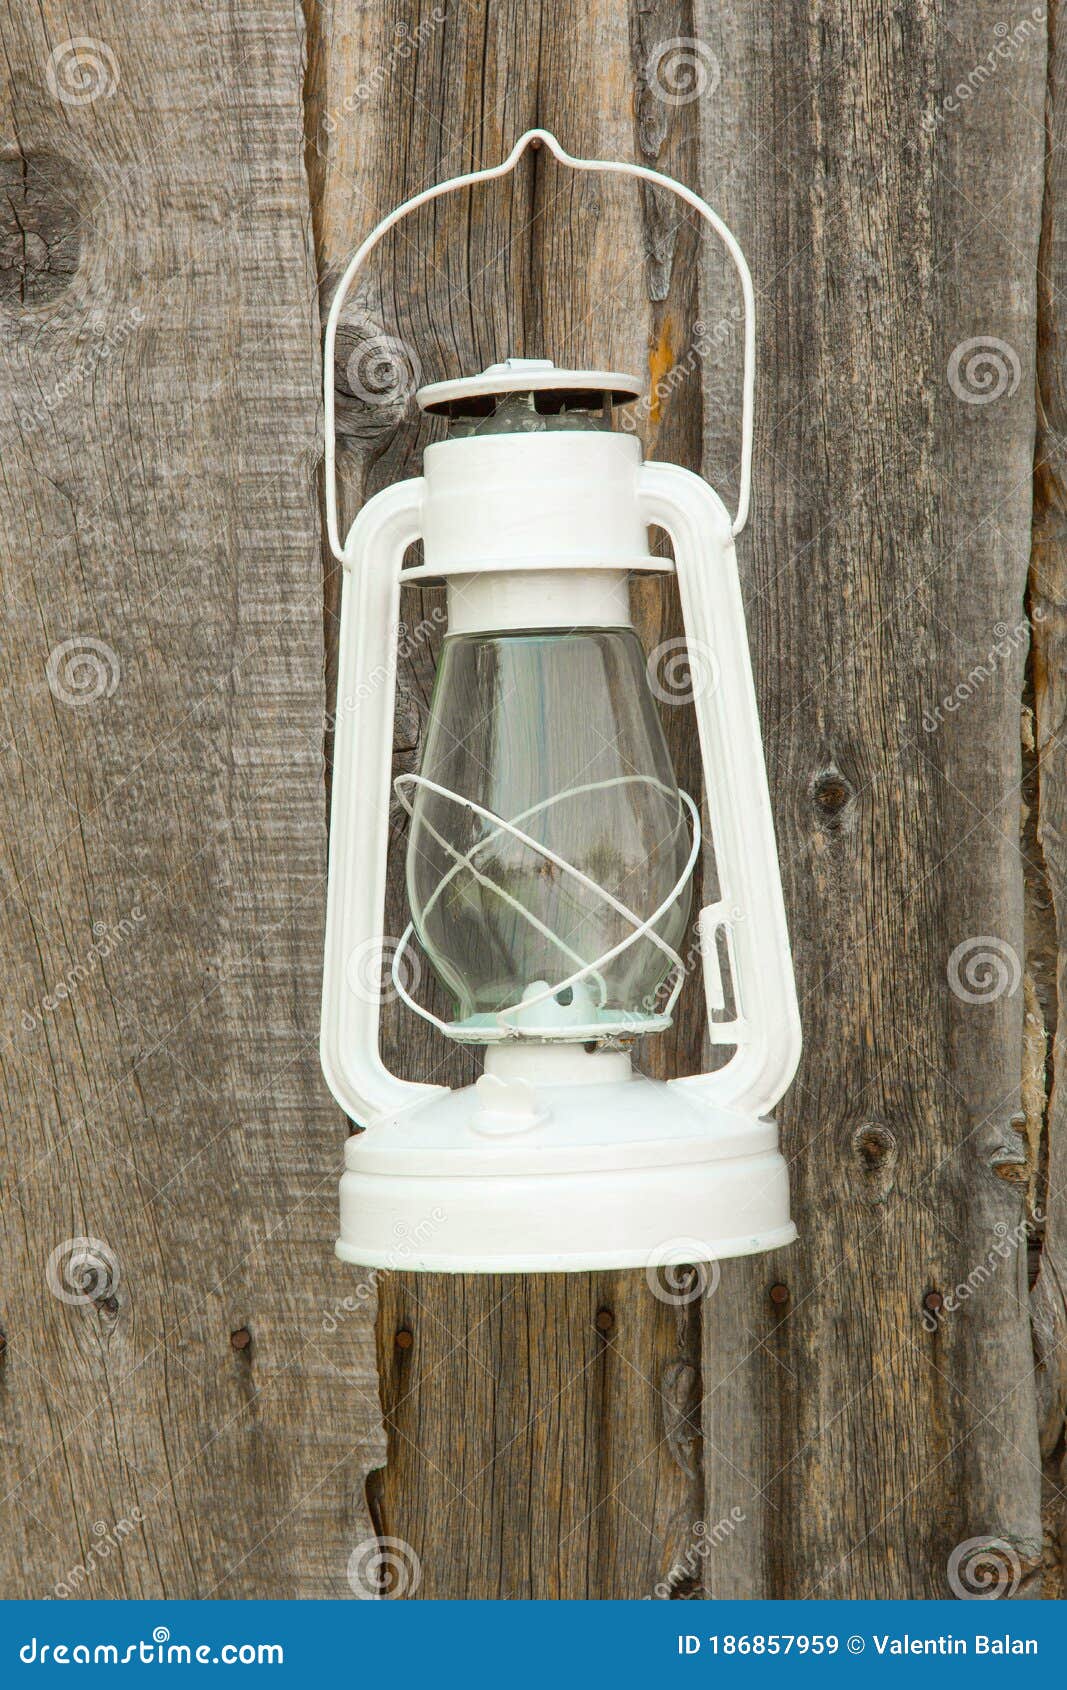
557, 389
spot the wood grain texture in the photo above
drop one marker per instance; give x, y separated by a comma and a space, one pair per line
886, 562
1047, 951
848, 1449
193, 1429
531, 1453
175, 213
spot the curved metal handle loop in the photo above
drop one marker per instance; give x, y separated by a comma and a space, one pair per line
607, 167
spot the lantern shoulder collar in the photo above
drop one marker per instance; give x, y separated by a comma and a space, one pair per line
559, 388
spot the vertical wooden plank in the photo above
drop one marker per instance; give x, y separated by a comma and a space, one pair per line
440, 298
892, 227
173, 1423
545, 1426
1046, 951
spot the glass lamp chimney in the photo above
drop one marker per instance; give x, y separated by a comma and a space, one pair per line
555, 729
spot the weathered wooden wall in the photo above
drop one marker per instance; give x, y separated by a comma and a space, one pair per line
1046, 831
161, 1091
888, 559
168, 245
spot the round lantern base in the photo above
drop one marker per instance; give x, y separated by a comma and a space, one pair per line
511, 1176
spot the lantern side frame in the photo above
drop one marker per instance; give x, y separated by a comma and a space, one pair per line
349, 1040
750, 909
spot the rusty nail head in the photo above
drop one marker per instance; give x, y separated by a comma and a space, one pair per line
404, 1339
779, 1294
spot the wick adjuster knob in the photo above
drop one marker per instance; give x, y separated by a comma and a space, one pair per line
506, 1106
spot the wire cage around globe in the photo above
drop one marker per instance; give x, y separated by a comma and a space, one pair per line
550, 850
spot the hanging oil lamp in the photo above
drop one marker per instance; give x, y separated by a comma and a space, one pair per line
550, 850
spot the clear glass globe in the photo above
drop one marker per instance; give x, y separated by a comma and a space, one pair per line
557, 733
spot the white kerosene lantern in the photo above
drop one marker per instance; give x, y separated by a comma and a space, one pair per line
550, 850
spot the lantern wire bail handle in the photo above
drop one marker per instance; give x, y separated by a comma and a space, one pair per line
537, 138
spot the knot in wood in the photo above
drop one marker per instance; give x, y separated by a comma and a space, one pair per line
874, 1149
40, 220
833, 796
375, 377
